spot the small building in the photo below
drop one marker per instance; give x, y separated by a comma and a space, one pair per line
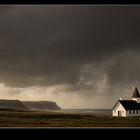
126, 108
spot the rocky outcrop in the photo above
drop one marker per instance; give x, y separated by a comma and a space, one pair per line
41, 105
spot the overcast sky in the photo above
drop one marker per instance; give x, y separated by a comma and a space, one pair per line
78, 56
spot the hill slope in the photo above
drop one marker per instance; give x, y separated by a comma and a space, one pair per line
41, 105
12, 105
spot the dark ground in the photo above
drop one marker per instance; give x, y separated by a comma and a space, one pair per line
53, 119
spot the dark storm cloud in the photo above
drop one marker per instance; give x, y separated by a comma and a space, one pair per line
46, 45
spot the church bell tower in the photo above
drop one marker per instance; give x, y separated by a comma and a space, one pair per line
136, 95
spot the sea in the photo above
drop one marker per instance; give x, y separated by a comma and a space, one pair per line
100, 112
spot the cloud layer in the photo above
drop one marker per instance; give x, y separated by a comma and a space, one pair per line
76, 46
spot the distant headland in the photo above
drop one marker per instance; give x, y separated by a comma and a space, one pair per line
28, 105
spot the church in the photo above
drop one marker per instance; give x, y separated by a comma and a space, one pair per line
127, 108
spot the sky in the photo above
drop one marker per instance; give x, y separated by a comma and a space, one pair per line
78, 56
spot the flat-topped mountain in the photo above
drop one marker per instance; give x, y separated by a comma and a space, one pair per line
27, 105
41, 105
12, 105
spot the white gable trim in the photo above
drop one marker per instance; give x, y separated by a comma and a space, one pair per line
118, 110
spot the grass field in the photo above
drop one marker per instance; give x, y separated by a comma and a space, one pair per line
53, 119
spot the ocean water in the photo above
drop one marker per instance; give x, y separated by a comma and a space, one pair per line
103, 112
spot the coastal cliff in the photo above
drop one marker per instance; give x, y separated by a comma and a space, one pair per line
41, 105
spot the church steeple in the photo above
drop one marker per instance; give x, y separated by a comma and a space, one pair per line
136, 94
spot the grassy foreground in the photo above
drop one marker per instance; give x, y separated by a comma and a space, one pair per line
53, 119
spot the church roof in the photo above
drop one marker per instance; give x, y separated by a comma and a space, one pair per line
130, 104
136, 93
